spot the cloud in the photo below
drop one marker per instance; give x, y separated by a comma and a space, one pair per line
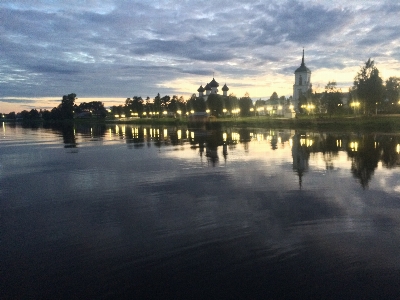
117, 48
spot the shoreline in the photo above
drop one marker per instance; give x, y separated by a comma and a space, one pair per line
381, 123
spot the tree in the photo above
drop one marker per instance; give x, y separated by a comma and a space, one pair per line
332, 98
215, 104
392, 93
93, 108
245, 103
157, 104
231, 102
274, 97
197, 104
67, 106
369, 86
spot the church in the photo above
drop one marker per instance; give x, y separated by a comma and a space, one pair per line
302, 83
211, 88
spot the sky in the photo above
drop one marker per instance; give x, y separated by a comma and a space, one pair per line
109, 50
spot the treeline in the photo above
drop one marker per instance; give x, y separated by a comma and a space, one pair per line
216, 105
66, 110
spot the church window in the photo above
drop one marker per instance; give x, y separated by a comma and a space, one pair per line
300, 80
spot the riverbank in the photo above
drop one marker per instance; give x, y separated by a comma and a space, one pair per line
379, 123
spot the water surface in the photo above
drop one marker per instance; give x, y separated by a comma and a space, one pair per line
175, 213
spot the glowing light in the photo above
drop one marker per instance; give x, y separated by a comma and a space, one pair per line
179, 112
235, 136
165, 132
224, 136
354, 146
398, 148
117, 116
192, 134
165, 112
207, 111
192, 111
179, 133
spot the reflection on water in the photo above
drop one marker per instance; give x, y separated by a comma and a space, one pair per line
183, 213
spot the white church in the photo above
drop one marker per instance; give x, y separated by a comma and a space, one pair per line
211, 88
302, 83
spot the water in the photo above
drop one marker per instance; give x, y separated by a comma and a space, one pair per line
119, 211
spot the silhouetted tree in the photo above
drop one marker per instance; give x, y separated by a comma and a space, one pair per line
245, 103
369, 86
332, 98
67, 106
392, 94
215, 104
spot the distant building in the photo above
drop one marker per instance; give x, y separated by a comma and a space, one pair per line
302, 82
211, 88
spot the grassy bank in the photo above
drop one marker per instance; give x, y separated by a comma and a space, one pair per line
379, 123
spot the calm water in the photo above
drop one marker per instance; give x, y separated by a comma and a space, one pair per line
225, 213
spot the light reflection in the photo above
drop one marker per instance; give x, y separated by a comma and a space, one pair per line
398, 148
224, 136
179, 133
306, 142
235, 136
192, 134
339, 143
165, 132
354, 146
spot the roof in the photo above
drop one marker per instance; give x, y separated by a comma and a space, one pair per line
201, 89
207, 87
213, 83
302, 67
225, 88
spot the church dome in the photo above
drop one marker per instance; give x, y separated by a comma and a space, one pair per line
225, 88
207, 87
302, 67
201, 89
213, 83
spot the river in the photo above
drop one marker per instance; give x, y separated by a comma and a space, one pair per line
115, 211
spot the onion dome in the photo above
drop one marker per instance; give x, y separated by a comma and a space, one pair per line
201, 89
225, 88
302, 67
207, 87
213, 83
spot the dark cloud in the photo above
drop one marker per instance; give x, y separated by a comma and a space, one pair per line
117, 48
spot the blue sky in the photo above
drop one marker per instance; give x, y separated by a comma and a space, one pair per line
112, 50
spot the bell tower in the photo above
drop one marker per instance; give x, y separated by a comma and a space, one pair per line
302, 83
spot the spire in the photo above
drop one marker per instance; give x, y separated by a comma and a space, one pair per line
302, 60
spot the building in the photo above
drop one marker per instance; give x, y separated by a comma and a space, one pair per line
211, 88
302, 82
